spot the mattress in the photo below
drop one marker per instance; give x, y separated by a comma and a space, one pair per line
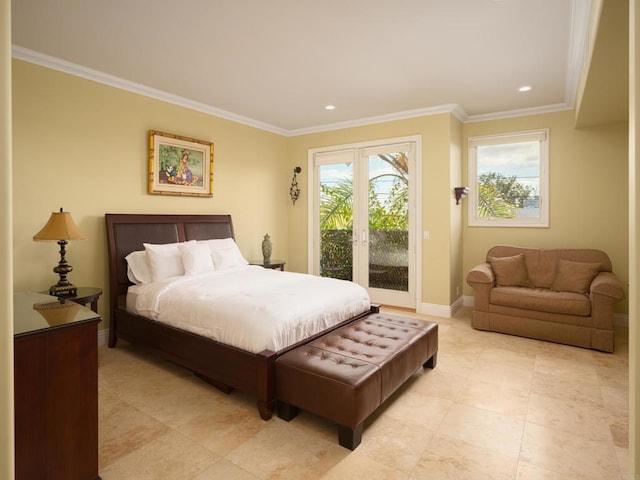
250, 307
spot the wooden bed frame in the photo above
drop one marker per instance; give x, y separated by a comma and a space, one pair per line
221, 365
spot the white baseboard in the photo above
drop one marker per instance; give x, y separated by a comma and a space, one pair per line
103, 336
444, 311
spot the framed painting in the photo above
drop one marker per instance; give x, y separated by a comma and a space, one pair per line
180, 165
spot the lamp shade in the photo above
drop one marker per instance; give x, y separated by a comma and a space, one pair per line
60, 227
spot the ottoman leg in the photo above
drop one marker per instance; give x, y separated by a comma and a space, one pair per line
350, 437
431, 363
287, 411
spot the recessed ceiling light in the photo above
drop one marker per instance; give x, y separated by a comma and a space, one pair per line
330, 107
525, 88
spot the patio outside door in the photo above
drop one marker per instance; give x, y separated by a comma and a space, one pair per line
363, 221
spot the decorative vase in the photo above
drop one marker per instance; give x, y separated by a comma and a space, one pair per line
266, 249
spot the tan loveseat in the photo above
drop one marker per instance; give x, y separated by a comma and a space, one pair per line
560, 295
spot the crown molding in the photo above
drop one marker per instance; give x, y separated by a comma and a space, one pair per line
578, 54
558, 107
456, 110
54, 63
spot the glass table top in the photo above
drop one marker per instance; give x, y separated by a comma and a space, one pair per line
37, 311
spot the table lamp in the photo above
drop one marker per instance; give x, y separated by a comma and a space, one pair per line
61, 228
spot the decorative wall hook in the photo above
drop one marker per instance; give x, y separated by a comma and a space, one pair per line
294, 191
461, 192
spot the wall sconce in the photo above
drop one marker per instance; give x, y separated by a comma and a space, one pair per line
294, 191
461, 192
61, 228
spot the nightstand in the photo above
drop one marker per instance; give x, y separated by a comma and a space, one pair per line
56, 388
273, 264
83, 296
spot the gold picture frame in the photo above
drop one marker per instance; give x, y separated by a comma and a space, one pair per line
180, 166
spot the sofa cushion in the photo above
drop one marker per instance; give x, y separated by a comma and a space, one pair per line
510, 271
574, 276
541, 299
542, 263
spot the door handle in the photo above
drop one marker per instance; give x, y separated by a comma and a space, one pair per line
364, 237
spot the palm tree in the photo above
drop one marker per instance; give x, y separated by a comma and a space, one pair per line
336, 202
386, 214
500, 196
336, 206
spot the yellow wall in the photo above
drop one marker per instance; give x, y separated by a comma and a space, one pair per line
6, 217
83, 146
634, 236
456, 218
588, 192
437, 157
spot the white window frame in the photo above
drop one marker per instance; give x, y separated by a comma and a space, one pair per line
542, 221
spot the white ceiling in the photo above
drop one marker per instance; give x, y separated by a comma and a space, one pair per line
277, 63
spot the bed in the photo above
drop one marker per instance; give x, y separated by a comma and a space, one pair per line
225, 366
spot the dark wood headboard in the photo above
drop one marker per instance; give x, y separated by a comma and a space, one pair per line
126, 233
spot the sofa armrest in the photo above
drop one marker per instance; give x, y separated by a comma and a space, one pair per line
607, 285
482, 280
482, 273
605, 291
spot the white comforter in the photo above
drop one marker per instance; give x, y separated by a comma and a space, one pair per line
250, 307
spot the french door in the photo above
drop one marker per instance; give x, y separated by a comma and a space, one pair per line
363, 221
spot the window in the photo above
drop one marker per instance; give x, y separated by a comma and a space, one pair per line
508, 179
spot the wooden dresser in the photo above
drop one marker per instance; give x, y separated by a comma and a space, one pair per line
56, 389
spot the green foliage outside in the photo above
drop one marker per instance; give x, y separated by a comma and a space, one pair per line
336, 254
387, 214
336, 202
500, 196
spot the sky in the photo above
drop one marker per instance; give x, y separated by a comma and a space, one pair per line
334, 173
520, 159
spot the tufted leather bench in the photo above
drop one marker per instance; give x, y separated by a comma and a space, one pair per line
346, 374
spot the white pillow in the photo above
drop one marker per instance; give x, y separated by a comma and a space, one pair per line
225, 253
138, 270
196, 258
165, 260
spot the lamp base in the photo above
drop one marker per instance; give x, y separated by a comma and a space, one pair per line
63, 290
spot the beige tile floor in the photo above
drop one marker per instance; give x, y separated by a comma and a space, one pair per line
495, 407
